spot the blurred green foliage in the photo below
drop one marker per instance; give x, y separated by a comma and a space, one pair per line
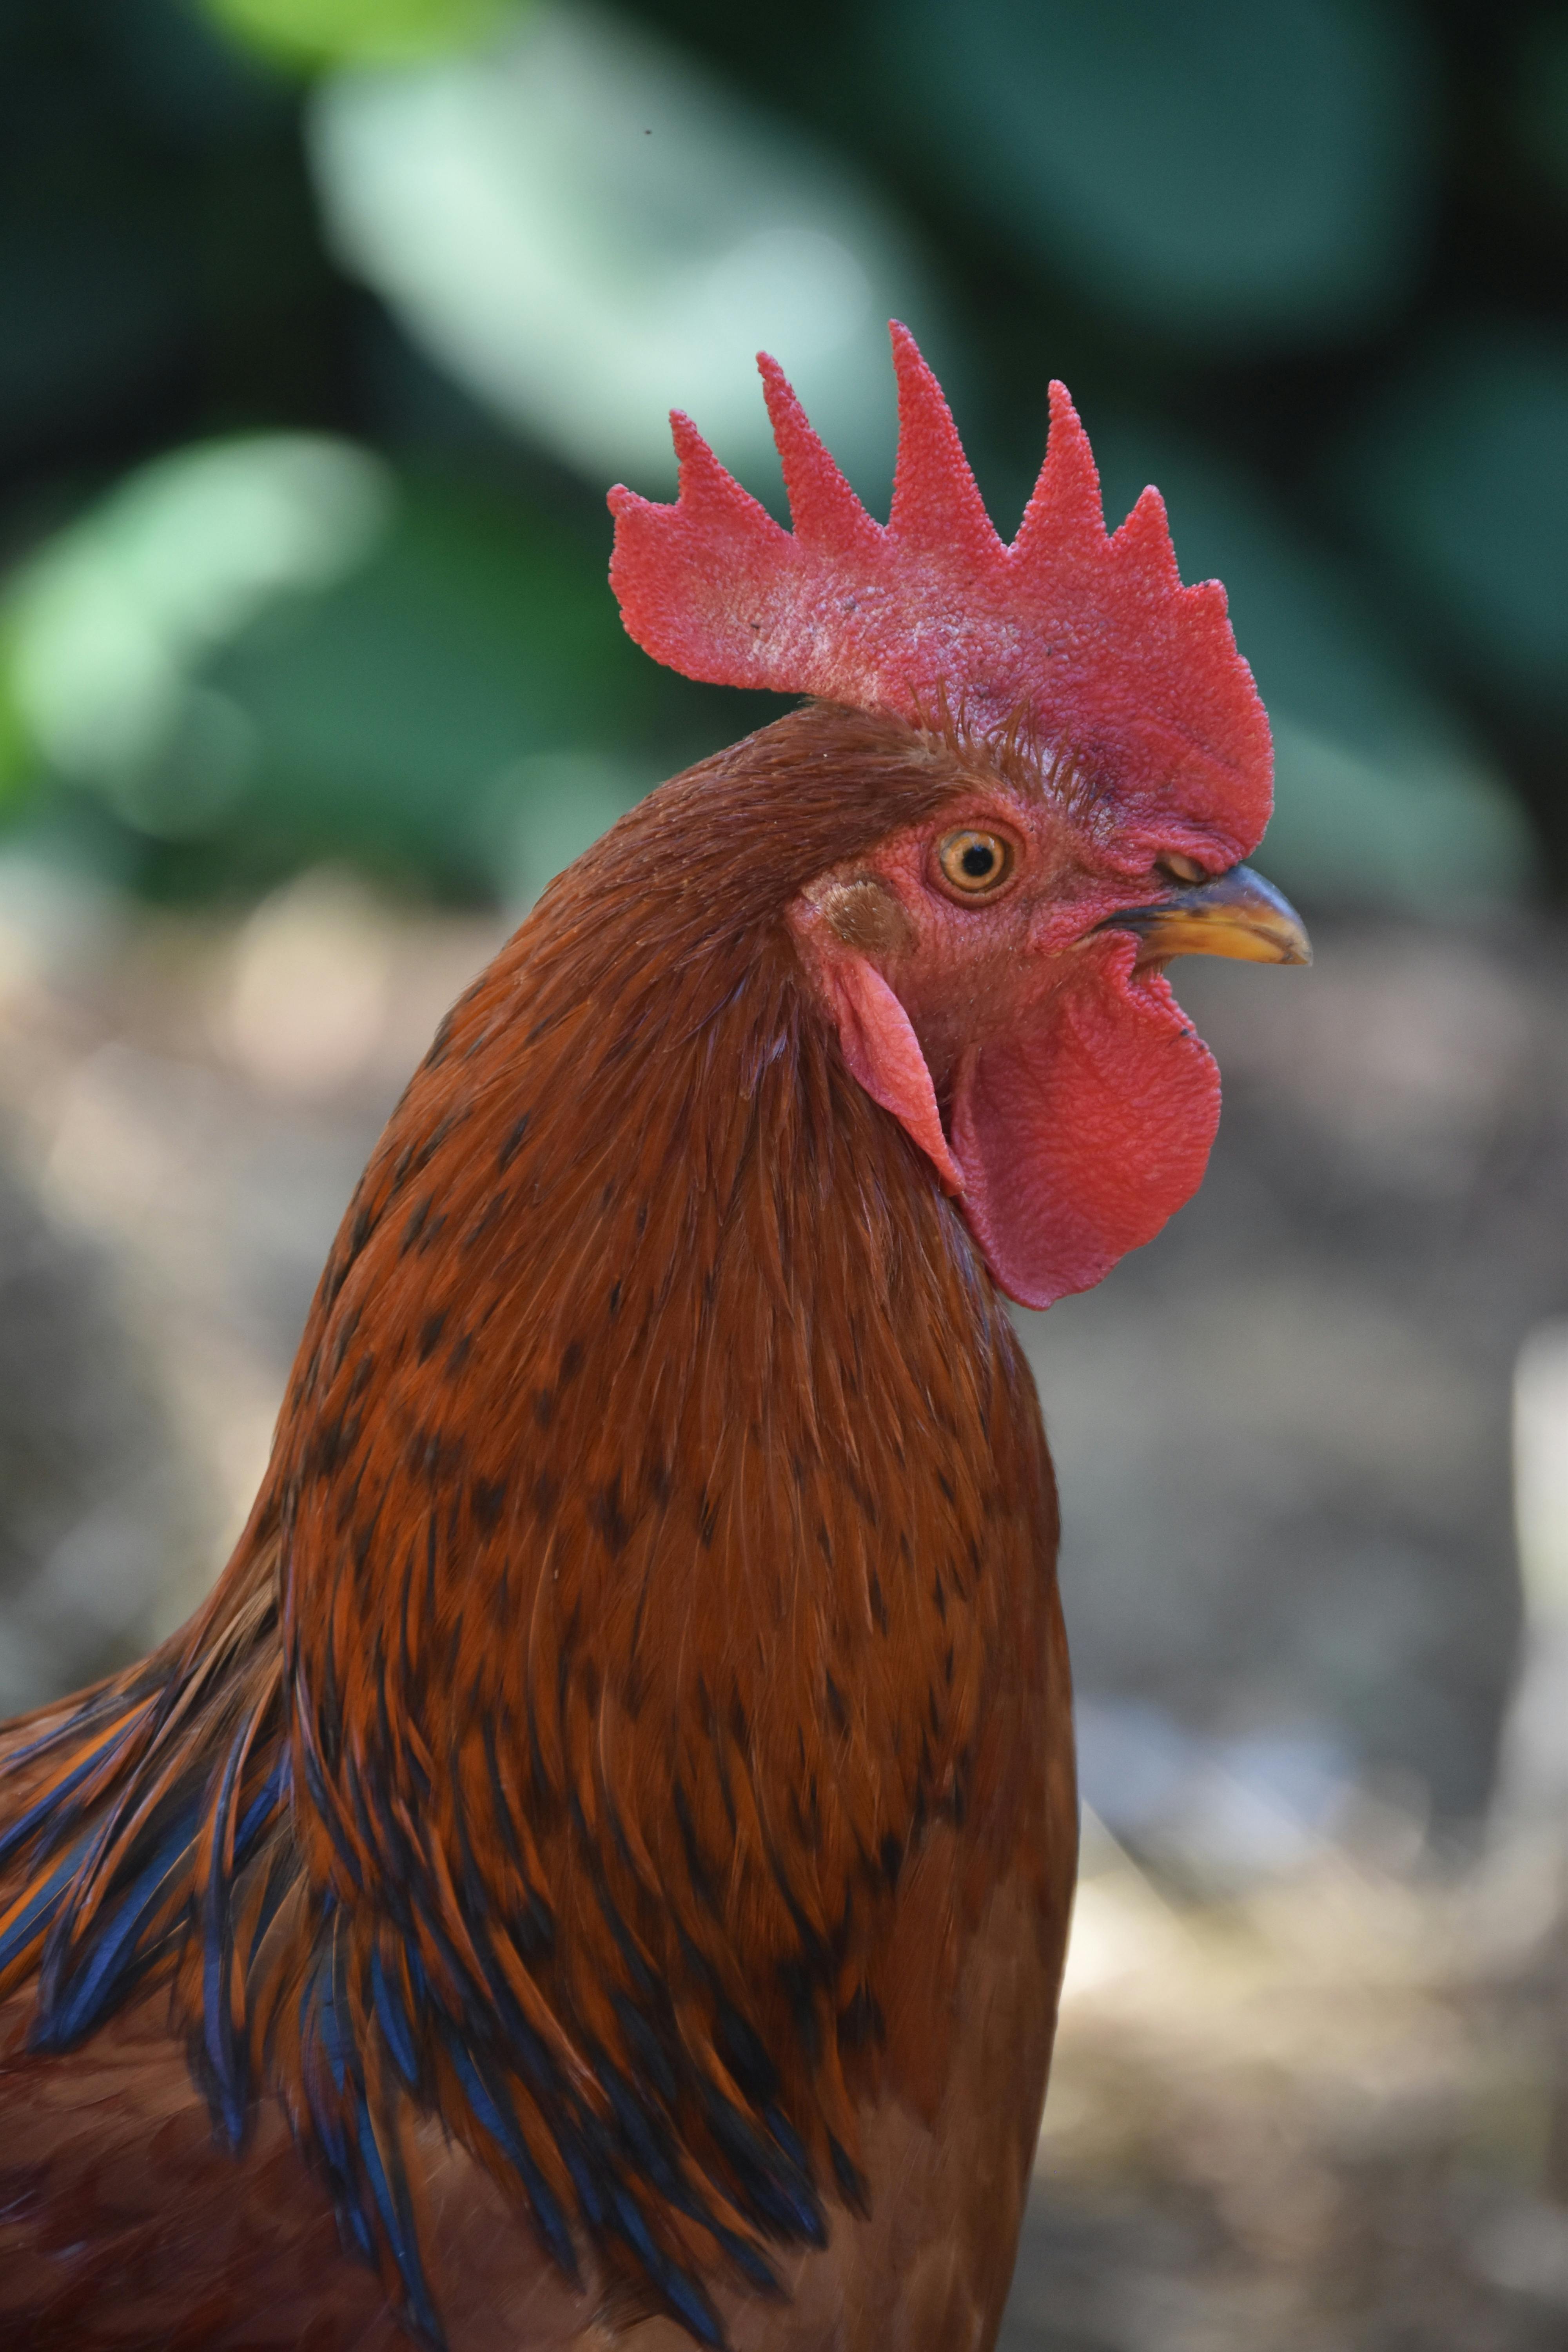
1231, 174
108, 626
587, 230
328, 322
1541, 97
1461, 473
260, 652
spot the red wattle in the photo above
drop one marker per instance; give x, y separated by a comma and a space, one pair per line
1082, 1134
1074, 1134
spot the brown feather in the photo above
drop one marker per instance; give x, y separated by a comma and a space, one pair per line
654, 1589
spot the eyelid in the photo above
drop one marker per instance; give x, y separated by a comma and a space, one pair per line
1188, 871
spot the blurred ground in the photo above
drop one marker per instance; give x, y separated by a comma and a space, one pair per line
1323, 2118
187, 1104
1309, 2091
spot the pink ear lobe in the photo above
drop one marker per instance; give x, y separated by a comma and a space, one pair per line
883, 1052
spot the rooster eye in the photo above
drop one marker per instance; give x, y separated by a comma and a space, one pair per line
1182, 869
976, 864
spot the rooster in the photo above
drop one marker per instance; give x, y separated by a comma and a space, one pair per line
598, 1867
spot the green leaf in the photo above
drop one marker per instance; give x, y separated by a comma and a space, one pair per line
1234, 173
105, 629
314, 33
1459, 473
587, 229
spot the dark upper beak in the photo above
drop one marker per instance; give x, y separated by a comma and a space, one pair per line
1236, 914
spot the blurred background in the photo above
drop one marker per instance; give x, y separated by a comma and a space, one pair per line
324, 326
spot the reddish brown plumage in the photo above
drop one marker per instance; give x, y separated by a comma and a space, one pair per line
610, 1833
652, 1596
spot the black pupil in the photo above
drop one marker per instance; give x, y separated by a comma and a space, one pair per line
978, 860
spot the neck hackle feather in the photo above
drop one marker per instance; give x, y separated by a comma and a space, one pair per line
651, 1401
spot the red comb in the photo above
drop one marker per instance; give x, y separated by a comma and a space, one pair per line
1091, 636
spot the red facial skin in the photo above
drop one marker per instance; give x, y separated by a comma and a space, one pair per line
1058, 1091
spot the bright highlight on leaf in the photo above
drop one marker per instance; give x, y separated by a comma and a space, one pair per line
104, 630
584, 227
365, 32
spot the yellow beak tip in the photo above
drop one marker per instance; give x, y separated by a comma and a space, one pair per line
1236, 914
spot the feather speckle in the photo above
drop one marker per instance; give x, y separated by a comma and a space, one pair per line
625, 1765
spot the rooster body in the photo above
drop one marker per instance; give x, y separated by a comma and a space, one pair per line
599, 1865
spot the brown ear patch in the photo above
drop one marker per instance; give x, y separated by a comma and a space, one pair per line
865, 914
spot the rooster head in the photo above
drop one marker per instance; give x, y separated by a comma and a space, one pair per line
996, 970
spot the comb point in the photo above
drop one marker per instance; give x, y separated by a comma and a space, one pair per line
937, 505
824, 509
706, 485
1143, 543
1094, 638
1065, 510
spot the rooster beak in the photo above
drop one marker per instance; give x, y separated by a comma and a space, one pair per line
1237, 914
